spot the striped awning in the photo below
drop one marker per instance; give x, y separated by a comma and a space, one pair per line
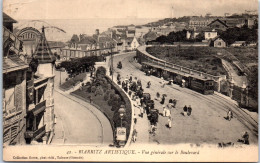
43, 52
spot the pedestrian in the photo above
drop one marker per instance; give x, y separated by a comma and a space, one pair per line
163, 99
138, 103
157, 96
152, 130
134, 135
135, 119
229, 115
169, 122
174, 102
163, 83
185, 109
183, 83
246, 138
189, 109
148, 84
130, 79
164, 111
168, 113
141, 112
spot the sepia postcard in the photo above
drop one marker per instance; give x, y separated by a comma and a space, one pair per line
130, 80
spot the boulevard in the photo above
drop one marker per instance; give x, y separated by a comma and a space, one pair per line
206, 125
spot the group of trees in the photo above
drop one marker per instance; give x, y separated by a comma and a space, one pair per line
179, 36
230, 36
240, 34
79, 65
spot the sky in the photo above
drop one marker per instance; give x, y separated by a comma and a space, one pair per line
83, 9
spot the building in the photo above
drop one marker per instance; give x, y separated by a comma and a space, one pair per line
8, 22
218, 42
234, 22
134, 44
40, 102
140, 31
56, 47
238, 43
151, 35
218, 25
200, 21
86, 46
14, 87
30, 37
210, 34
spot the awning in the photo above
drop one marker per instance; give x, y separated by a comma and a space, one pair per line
39, 108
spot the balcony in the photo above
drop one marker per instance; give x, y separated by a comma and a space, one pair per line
35, 134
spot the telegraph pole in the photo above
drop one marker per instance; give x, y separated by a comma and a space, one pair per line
111, 56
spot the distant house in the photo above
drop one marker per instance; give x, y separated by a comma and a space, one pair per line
218, 42
210, 34
218, 25
134, 44
238, 43
199, 21
151, 35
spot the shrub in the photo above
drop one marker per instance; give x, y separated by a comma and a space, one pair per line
101, 71
99, 91
106, 96
93, 89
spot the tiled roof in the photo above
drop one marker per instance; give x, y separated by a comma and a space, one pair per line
13, 63
87, 40
150, 36
43, 52
218, 21
8, 19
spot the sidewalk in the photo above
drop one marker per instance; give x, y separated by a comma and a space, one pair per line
142, 125
59, 136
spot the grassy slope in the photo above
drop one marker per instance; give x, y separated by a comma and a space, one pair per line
198, 58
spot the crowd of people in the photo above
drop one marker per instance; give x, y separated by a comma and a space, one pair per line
146, 106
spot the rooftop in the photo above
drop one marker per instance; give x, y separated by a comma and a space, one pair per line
13, 63
8, 19
43, 52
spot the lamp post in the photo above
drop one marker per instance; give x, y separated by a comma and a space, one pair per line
243, 94
121, 112
231, 82
111, 56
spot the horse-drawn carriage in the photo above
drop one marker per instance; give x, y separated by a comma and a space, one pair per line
119, 65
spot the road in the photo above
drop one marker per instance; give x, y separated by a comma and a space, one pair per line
206, 125
77, 121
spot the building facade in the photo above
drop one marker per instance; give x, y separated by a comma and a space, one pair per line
14, 87
210, 34
40, 103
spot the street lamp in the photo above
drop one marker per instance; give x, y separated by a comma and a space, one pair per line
121, 112
231, 82
111, 56
243, 92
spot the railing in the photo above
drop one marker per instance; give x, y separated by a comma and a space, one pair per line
35, 134
181, 69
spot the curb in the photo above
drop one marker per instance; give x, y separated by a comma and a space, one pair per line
132, 108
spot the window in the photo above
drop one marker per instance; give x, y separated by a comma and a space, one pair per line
9, 101
219, 43
208, 34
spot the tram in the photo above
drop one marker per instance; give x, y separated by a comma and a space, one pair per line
204, 86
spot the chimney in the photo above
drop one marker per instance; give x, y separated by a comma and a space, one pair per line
97, 31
